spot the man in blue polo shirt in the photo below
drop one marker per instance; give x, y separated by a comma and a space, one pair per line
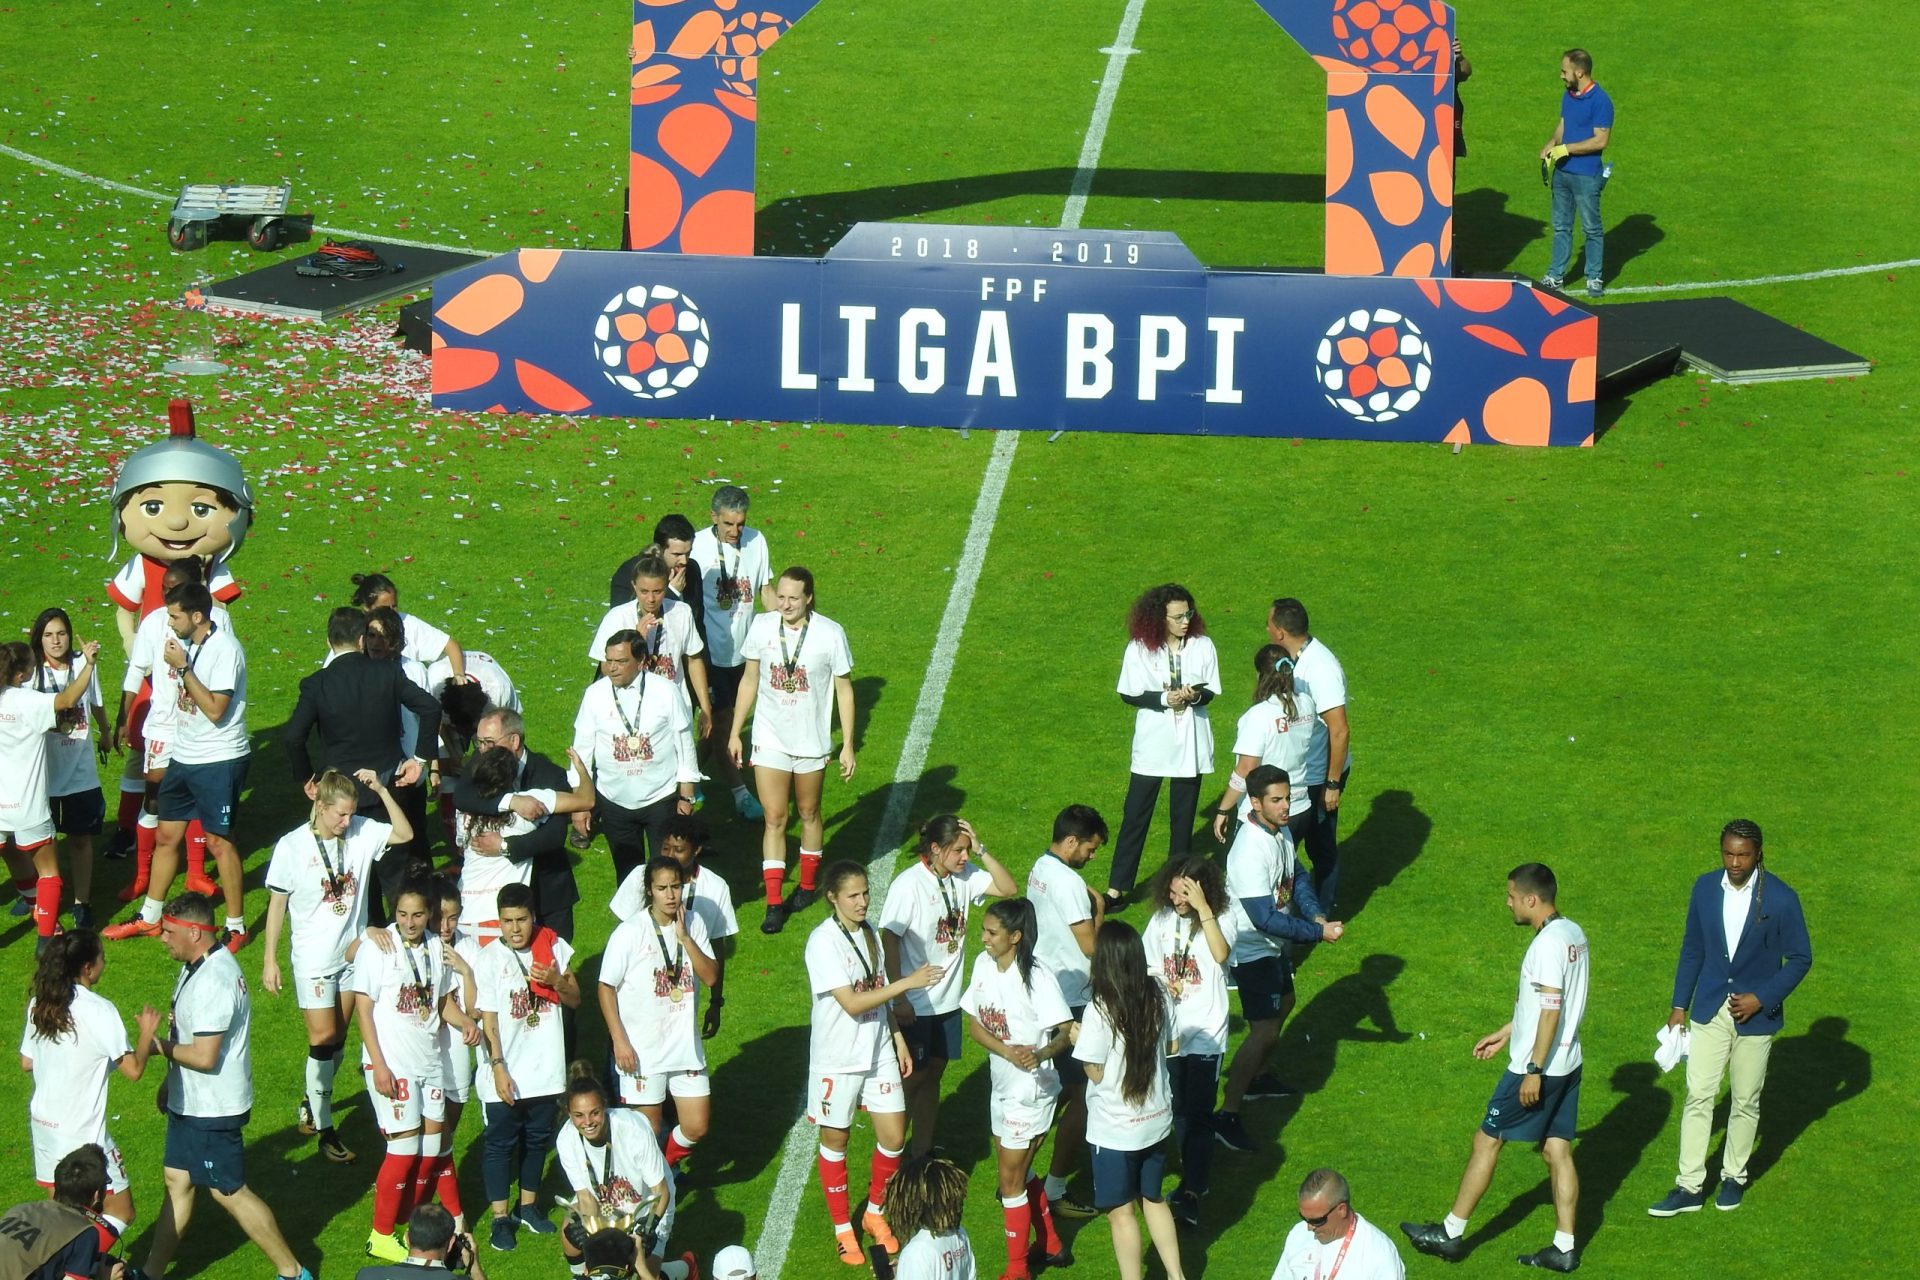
1586, 122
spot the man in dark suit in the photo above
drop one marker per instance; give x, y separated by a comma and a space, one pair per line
1746, 949
434, 1248
355, 703
672, 542
554, 890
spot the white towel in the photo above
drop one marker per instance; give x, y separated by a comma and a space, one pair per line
1673, 1047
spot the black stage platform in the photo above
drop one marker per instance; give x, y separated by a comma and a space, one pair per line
279, 290
1726, 340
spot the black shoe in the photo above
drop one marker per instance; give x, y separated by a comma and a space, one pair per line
800, 899
1551, 1259
1431, 1237
1230, 1131
1268, 1085
533, 1220
119, 846
776, 919
1038, 1257
1185, 1206
82, 916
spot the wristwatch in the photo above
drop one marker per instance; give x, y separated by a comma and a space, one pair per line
1534, 1069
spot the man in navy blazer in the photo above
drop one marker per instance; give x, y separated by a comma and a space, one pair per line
1745, 950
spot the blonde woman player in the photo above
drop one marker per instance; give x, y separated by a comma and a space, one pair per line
655, 966
797, 673
855, 1057
318, 880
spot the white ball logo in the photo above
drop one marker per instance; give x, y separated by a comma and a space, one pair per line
1374, 364
651, 341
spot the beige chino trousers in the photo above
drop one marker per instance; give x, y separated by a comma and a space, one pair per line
1716, 1049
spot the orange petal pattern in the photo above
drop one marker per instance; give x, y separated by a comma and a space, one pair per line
537, 264
1339, 151
1571, 341
1479, 295
1495, 338
699, 36
1399, 121
1519, 413
653, 206
1399, 196
694, 135
1351, 248
462, 369
719, 222
483, 304
547, 391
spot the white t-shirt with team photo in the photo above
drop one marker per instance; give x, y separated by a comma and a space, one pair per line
1267, 733
406, 987
1260, 864
622, 1172
658, 993
1013, 1012
219, 665
1169, 744
1112, 1121
69, 1104
326, 886
928, 914
537, 1055
838, 1043
210, 998
664, 652
1319, 673
1556, 958
936, 1257
638, 740
793, 711
70, 766
483, 875
145, 661
1060, 901
26, 717
730, 582
1181, 962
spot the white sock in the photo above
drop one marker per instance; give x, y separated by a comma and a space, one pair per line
236, 924
1056, 1186
578, 1269
147, 820
675, 1270
150, 911
1456, 1227
320, 1073
1563, 1241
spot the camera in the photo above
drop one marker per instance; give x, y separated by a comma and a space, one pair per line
460, 1253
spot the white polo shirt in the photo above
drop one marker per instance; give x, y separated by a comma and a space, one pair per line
1370, 1256
637, 740
730, 582
1735, 906
1169, 744
1318, 672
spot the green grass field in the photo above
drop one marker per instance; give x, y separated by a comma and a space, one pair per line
1589, 657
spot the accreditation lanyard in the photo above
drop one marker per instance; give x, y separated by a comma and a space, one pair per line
789, 663
423, 988
1342, 1255
1183, 945
335, 883
724, 593
639, 688
179, 989
953, 919
1173, 661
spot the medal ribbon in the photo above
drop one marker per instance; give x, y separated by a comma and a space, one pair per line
333, 877
1183, 946
671, 961
790, 664
423, 988
603, 1185
868, 961
533, 998
638, 702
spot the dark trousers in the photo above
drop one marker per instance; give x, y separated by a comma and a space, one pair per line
526, 1125
1194, 1082
1323, 845
632, 834
1143, 795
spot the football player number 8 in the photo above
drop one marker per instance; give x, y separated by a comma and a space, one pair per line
399, 1088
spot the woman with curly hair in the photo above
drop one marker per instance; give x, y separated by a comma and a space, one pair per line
1168, 674
929, 1197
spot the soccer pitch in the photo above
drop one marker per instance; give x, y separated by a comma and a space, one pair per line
1593, 658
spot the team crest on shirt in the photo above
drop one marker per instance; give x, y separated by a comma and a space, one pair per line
629, 748
995, 1022
523, 1002
792, 679
671, 984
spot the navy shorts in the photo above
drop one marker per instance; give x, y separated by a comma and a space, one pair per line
209, 793
1073, 1072
933, 1035
723, 684
212, 1150
1120, 1177
1264, 986
80, 814
1557, 1116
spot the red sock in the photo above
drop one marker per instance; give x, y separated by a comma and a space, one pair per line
774, 874
879, 1174
1017, 1216
390, 1188
447, 1185
833, 1183
809, 870
1042, 1214
196, 849
129, 809
46, 905
678, 1146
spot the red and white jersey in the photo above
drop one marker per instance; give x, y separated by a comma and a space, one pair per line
70, 1071
141, 585
838, 1043
665, 652
928, 913
1013, 1012
621, 1172
793, 707
26, 717
406, 986
70, 766
536, 1055
1181, 962
326, 886
658, 993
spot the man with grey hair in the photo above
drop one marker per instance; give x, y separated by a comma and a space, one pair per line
1332, 1239
736, 569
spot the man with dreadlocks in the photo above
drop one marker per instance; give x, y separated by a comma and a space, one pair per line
1745, 950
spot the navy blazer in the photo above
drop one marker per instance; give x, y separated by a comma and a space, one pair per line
1774, 953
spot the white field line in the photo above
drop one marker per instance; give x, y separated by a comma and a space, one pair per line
1117, 54
1863, 269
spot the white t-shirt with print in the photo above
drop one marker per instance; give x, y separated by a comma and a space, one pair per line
70, 1071
26, 718
932, 927
1015, 1013
730, 582
145, 662
536, 1056
326, 909
70, 766
622, 1172
707, 895
658, 994
666, 651
211, 999
406, 987
798, 721
481, 667
837, 1043
420, 641
220, 666
638, 740
1181, 962
1112, 1121
1167, 744
936, 1257
1556, 958
1267, 733
1061, 900
1371, 1255
1318, 672
1260, 864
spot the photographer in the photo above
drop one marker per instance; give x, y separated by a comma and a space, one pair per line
66, 1236
432, 1245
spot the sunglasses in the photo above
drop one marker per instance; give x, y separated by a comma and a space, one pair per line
1321, 1221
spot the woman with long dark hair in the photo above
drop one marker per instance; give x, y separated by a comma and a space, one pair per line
1277, 730
73, 778
1188, 943
1168, 674
420, 641
1016, 1012
74, 1036
1124, 1039
28, 718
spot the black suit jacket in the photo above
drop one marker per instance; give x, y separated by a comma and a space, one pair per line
620, 591
355, 703
545, 846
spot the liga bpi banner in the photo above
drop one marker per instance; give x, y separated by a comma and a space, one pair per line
923, 325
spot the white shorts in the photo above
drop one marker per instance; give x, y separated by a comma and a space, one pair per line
414, 1101
50, 1147
833, 1099
1020, 1125
321, 991
774, 758
31, 838
456, 1068
652, 1090
159, 754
